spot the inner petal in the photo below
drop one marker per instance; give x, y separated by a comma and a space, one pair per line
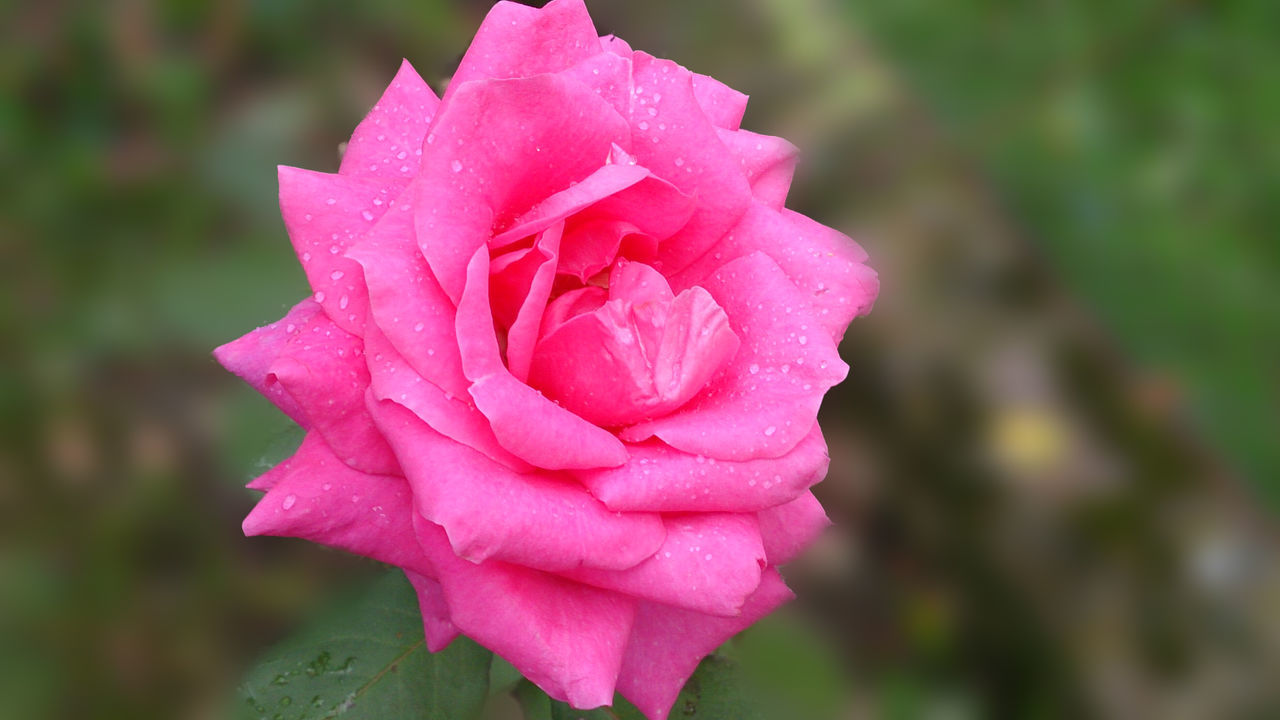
640, 355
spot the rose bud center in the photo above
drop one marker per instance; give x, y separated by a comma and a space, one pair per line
632, 352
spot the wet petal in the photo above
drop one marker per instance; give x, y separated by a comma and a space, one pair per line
660, 478
767, 398
326, 215
709, 562
769, 163
517, 41
825, 264
672, 137
552, 132
527, 424
489, 511
566, 637
667, 643
317, 497
388, 142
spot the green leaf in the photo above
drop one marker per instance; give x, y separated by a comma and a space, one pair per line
367, 659
717, 691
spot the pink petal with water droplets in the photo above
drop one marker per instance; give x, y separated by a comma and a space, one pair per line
769, 163
788, 529
828, 267
767, 398
517, 41
566, 637
319, 498
667, 643
660, 478
709, 562
323, 369
388, 142
538, 519
602, 183
527, 424
722, 105
674, 139
453, 416
641, 355
325, 215
552, 132
250, 356
406, 302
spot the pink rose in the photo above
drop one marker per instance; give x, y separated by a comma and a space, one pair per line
564, 357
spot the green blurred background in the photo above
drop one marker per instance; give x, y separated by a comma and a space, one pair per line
1055, 463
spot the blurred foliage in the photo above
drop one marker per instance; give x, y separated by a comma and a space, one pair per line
1045, 460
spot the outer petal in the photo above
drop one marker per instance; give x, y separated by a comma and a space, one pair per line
527, 424
388, 142
325, 215
551, 132
722, 105
323, 369
317, 497
517, 41
566, 637
535, 520
767, 399
406, 302
250, 356
440, 630
668, 643
673, 138
660, 478
709, 562
788, 529
769, 163
826, 265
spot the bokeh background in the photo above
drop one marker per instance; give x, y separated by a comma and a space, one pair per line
1055, 467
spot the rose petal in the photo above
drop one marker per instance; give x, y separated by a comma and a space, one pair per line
325, 215
388, 142
251, 355
440, 630
766, 399
709, 562
769, 163
602, 183
552, 132
527, 424
667, 643
722, 105
826, 265
641, 355
672, 137
659, 478
523, 332
323, 369
790, 528
406, 302
566, 637
489, 511
453, 416
517, 41
319, 498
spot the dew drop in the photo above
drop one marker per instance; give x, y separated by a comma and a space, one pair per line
289, 501
456, 165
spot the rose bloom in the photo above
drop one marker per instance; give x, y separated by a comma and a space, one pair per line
564, 357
